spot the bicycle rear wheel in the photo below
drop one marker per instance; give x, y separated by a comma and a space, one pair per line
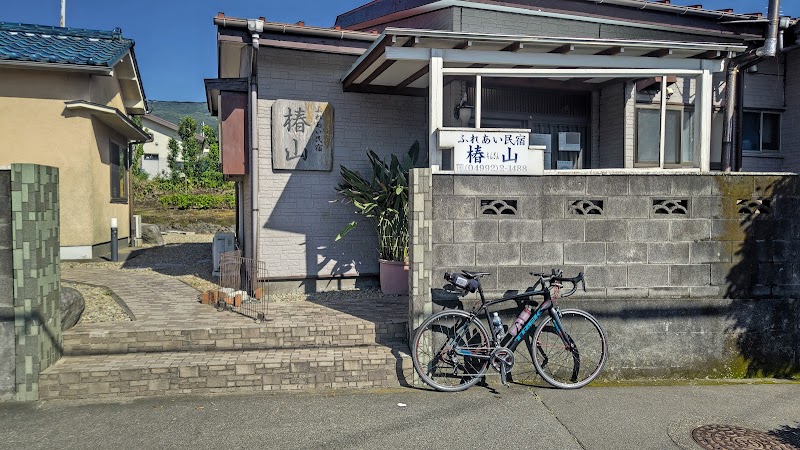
574, 365
441, 349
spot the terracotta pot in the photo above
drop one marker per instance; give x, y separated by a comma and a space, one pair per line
394, 277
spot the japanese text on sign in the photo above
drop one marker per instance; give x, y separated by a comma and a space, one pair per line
302, 135
491, 152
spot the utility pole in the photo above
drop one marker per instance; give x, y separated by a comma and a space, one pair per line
63, 13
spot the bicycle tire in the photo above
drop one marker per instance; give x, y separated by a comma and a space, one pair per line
441, 368
564, 368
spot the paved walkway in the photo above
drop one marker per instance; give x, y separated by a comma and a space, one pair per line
160, 302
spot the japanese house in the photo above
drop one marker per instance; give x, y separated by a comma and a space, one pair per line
596, 87
66, 95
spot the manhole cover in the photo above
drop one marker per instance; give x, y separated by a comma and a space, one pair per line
727, 437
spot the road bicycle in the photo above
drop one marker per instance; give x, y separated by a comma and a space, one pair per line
452, 349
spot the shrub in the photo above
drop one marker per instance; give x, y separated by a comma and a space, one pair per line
198, 201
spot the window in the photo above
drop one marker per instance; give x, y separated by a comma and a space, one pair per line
151, 156
761, 131
119, 173
678, 137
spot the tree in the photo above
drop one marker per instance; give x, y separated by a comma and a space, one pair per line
210, 164
172, 159
138, 152
190, 148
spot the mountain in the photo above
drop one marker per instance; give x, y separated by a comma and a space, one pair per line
174, 111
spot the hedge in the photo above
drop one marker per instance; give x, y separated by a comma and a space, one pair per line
198, 201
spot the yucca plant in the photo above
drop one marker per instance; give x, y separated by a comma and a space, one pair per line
383, 199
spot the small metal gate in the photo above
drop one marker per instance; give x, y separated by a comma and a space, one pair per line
242, 286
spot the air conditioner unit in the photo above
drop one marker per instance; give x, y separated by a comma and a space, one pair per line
223, 243
569, 142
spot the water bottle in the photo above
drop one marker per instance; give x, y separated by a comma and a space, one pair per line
520, 322
498, 326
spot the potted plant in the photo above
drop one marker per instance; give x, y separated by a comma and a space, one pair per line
383, 199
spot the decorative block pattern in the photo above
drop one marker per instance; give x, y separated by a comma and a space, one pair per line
36, 274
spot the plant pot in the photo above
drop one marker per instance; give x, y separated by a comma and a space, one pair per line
394, 277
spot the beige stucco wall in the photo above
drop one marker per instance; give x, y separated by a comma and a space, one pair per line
36, 127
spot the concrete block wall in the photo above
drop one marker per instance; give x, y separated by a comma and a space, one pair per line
30, 274
697, 278
634, 236
299, 214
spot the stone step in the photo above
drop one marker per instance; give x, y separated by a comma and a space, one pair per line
356, 332
167, 373
295, 325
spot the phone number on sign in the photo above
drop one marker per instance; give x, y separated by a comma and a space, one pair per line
491, 168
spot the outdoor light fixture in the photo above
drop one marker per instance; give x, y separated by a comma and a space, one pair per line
463, 112
114, 240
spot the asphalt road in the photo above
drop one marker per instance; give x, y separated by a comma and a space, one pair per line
505, 418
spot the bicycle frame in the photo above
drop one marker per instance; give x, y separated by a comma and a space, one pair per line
546, 305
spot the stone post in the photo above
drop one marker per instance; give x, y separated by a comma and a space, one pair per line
420, 247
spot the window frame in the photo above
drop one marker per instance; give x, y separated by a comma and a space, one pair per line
121, 169
761, 151
682, 109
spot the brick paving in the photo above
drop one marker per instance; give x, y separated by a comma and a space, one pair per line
178, 345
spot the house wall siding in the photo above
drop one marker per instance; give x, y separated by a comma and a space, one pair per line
159, 146
765, 90
790, 141
299, 221
498, 22
36, 128
442, 19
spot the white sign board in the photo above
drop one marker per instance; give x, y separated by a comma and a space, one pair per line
302, 135
494, 152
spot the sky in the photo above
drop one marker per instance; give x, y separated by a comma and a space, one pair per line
175, 39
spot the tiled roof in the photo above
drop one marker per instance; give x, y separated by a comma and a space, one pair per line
45, 44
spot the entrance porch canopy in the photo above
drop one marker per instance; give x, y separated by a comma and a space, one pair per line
410, 61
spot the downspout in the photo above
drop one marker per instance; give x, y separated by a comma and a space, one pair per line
255, 27
735, 66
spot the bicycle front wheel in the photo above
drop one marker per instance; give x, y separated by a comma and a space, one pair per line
451, 350
572, 356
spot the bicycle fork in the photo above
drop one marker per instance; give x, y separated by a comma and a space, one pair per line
569, 343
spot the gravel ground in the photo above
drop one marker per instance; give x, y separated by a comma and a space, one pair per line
100, 305
188, 258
